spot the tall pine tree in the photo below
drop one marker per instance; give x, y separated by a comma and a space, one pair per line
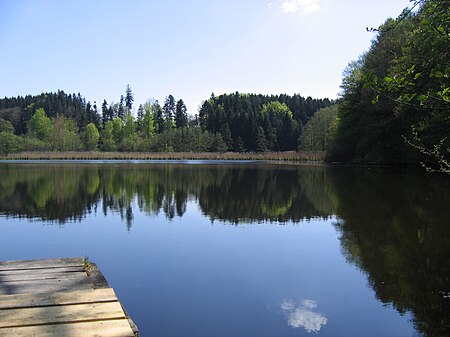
181, 117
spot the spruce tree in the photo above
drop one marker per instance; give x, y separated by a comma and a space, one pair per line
129, 98
169, 112
181, 117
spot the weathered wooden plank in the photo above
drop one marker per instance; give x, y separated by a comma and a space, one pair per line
54, 299
43, 286
41, 270
40, 276
114, 328
60, 314
46, 263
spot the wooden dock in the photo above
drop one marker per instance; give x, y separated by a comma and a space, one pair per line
59, 297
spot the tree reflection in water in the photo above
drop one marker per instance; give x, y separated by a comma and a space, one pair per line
395, 228
393, 225
229, 193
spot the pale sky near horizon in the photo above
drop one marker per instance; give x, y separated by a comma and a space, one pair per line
185, 48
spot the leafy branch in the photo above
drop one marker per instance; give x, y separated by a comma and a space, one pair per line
435, 152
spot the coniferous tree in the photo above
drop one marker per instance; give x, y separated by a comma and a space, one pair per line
129, 98
121, 108
105, 114
181, 117
140, 117
169, 112
158, 117
261, 141
226, 135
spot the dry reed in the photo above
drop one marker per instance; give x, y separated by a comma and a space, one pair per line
291, 156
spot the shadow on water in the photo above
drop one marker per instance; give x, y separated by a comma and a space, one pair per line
392, 224
395, 228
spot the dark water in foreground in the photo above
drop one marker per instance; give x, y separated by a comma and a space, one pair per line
244, 250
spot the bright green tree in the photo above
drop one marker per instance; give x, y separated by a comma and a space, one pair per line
320, 130
40, 126
64, 134
117, 131
148, 120
107, 139
90, 137
284, 131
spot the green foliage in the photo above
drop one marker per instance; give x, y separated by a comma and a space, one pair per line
218, 144
239, 122
129, 98
400, 83
10, 143
261, 141
181, 117
20, 109
168, 112
319, 132
90, 137
148, 120
6, 126
40, 126
65, 135
437, 152
238, 118
107, 139
117, 130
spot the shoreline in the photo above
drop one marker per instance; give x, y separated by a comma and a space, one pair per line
289, 156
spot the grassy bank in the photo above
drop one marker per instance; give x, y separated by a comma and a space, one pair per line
97, 155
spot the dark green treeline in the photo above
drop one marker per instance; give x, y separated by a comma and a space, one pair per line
18, 110
237, 122
249, 122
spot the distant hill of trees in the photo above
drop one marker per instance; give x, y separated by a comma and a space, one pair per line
19, 110
249, 122
229, 122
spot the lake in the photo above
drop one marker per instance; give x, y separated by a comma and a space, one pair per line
244, 248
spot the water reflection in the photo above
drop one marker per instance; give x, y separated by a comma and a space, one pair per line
394, 225
302, 315
395, 228
228, 193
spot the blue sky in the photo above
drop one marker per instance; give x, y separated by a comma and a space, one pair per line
185, 48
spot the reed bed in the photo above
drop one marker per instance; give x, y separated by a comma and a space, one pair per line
290, 156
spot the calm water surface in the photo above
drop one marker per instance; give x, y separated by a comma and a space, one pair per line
244, 249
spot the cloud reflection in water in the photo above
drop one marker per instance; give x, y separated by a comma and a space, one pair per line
302, 315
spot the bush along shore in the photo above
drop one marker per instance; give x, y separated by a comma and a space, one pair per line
287, 156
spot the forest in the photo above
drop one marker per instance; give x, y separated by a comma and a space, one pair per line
393, 109
230, 122
395, 103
